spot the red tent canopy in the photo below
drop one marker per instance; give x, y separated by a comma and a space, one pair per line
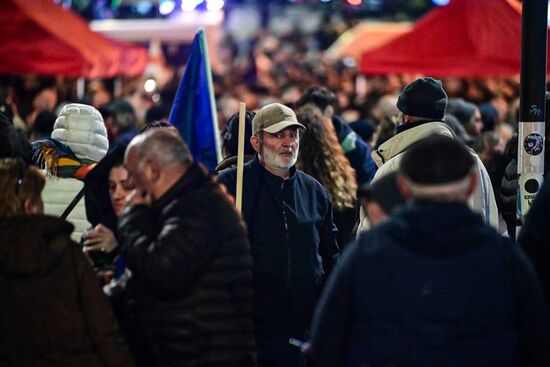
467, 38
41, 37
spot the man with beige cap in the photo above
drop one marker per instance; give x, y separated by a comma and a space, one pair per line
292, 235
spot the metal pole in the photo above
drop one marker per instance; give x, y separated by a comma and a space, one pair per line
531, 104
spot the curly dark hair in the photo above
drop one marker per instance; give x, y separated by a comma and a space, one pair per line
322, 157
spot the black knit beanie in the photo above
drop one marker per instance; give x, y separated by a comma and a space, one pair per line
424, 97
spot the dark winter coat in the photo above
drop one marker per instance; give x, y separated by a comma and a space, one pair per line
293, 241
53, 312
534, 236
433, 286
189, 301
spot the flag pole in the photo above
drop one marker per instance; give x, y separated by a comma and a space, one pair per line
240, 157
204, 50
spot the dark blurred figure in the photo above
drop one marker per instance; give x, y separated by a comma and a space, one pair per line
489, 116
122, 123
157, 113
53, 312
535, 234
420, 290
43, 125
12, 142
467, 114
231, 141
356, 150
381, 198
322, 157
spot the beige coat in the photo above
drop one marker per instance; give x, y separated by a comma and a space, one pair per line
388, 156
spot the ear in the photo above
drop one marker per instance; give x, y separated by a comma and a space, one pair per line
404, 187
153, 171
255, 142
32, 208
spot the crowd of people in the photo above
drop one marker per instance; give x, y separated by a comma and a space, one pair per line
377, 224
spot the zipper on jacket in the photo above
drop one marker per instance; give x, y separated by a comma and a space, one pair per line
286, 233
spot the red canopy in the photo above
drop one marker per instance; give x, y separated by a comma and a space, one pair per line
41, 37
467, 38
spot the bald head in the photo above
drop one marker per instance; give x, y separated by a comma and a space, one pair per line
161, 146
156, 159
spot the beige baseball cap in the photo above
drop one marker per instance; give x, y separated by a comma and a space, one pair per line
273, 118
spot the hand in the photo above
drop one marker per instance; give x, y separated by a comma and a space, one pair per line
138, 197
100, 238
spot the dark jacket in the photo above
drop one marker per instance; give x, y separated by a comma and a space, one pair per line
433, 286
293, 243
53, 312
356, 150
534, 236
189, 301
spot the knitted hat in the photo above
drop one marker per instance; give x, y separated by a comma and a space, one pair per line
81, 127
424, 97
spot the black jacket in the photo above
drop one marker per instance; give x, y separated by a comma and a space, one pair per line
293, 241
189, 301
432, 286
534, 236
53, 312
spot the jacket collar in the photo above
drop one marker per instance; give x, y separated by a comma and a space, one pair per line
400, 142
194, 178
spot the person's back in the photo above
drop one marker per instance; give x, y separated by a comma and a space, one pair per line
433, 285
53, 312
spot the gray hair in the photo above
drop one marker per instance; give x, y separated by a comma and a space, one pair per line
161, 146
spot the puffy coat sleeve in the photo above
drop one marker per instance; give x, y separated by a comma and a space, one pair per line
170, 258
109, 344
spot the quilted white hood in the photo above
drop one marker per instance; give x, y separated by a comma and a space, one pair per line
81, 127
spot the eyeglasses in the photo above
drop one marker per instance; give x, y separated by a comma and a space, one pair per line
22, 168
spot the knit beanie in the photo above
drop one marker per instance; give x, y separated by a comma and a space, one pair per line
462, 110
81, 127
424, 97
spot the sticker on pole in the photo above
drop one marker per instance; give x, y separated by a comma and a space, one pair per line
533, 144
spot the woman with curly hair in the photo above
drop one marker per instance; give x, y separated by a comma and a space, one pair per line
322, 157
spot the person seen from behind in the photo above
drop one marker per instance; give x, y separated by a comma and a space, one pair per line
53, 312
433, 285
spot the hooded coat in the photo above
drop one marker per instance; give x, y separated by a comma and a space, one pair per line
432, 286
53, 312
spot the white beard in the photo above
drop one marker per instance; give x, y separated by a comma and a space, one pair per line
274, 159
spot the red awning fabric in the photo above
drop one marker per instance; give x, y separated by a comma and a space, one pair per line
467, 38
41, 37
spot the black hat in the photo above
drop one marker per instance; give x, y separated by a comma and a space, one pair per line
436, 160
424, 97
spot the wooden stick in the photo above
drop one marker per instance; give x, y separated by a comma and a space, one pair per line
240, 158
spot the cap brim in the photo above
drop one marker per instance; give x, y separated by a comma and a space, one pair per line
283, 125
